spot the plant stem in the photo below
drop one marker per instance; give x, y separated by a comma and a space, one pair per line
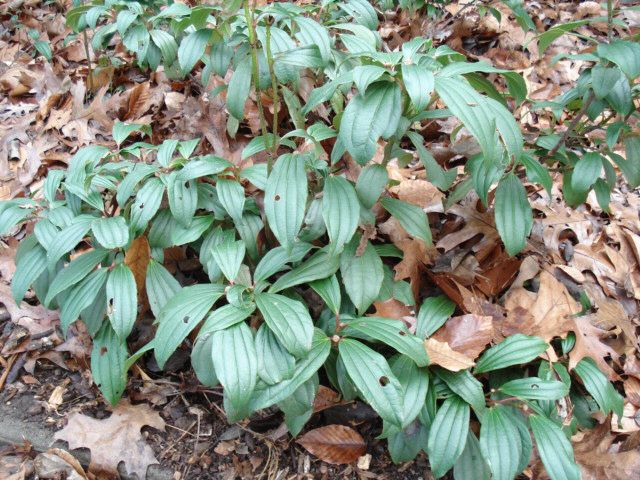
274, 88
572, 125
609, 19
86, 51
249, 13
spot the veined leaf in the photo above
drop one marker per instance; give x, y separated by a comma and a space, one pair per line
329, 290
180, 315
412, 218
514, 350
122, 300
160, 286
28, 268
111, 232
108, 363
415, 384
202, 360
285, 198
371, 182
229, 254
597, 384
320, 265
67, 239
236, 365
554, 449
432, 315
586, 171
419, 82
362, 275
533, 388
298, 407
500, 443
448, 435
392, 332
192, 48
80, 297
470, 464
226, 316
466, 386
275, 364
340, 211
625, 54
368, 117
288, 319
239, 87
374, 379
146, 204
513, 214
312, 33
231, 196
266, 395
276, 259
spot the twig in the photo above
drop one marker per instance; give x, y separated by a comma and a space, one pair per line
572, 125
86, 51
5, 373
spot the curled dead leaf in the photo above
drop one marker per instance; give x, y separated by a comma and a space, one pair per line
440, 353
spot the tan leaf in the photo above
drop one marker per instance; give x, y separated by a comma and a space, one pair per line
440, 353
114, 439
138, 101
325, 398
137, 258
335, 444
391, 308
467, 334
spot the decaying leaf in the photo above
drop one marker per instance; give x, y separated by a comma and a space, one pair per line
468, 334
115, 439
440, 353
335, 444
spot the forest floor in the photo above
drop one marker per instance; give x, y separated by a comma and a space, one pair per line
47, 113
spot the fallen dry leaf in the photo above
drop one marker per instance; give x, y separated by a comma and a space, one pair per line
468, 334
335, 444
440, 353
137, 258
114, 439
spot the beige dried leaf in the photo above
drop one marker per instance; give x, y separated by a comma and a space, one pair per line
440, 353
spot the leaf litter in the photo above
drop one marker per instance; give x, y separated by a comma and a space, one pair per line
47, 112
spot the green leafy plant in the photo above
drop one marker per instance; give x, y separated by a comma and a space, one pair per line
269, 236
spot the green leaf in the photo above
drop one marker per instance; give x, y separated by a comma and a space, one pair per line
276, 259
202, 167
412, 218
28, 268
231, 196
623, 53
537, 173
597, 384
80, 297
108, 364
371, 374
266, 395
415, 384
533, 388
67, 239
181, 234
183, 200
192, 49
432, 315
603, 79
275, 364
340, 211
586, 171
122, 130
362, 275
513, 214
229, 254
466, 386
500, 443
630, 166
320, 265
160, 286
548, 37
448, 435
312, 33
146, 205
362, 12
554, 449
365, 75
572, 197
236, 364
180, 315
122, 300
363, 121
514, 350
202, 361
239, 87
226, 316
285, 198
298, 407
405, 445
167, 45
419, 82
471, 465
483, 117
329, 290
371, 182
392, 332
288, 319
256, 174
111, 232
